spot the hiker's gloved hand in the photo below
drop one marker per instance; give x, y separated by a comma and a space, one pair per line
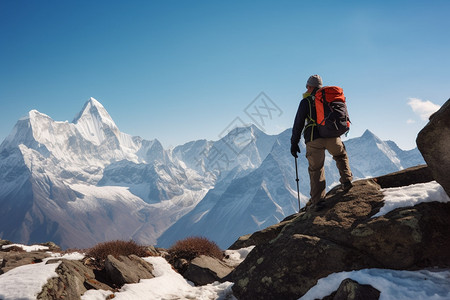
294, 150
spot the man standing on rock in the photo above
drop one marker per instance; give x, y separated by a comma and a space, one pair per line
316, 145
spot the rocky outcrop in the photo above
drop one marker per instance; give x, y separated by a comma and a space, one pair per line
414, 175
14, 256
74, 279
352, 290
206, 269
433, 142
14, 259
343, 236
127, 269
419, 174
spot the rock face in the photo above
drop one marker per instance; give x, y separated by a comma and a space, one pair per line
206, 269
74, 278
352, 290
13, 259
289, 258
433, 142
127, 269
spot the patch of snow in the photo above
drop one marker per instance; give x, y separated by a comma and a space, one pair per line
167, 284
393, 284
94, 196
96, 295
26, 282
412, 195
69, 256
200, 216
26, 248
235, 257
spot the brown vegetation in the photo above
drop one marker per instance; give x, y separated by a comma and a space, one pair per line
192, 247
13, 249
116, 248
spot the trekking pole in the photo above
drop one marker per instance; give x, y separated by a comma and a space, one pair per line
296, 179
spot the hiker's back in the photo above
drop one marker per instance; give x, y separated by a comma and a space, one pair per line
331, 112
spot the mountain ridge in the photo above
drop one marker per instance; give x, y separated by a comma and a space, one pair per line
78, 178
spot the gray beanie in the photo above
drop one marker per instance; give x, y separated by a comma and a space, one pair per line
314, 81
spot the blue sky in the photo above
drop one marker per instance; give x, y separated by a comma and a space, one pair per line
186, 70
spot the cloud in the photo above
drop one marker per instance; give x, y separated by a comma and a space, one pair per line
423, 108
410, 121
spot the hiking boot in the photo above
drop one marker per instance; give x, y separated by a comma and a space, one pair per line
346, 186
306, 207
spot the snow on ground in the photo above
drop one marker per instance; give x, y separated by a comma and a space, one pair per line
68, 256
393, 285
412, 195
26, 248
235, 257
167, 284
26, 282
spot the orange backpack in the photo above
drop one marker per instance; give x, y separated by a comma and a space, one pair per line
331, 112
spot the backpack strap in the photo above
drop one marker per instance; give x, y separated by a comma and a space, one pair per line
311, 121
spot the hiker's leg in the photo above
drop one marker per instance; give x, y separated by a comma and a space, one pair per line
315, 153
337, 149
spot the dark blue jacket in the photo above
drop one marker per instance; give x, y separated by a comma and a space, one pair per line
306, 113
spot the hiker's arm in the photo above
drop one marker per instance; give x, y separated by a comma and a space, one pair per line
299, 123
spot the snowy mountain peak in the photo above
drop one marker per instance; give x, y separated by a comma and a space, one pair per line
369, 135
29, 129
94, 110
94, 122
36, 116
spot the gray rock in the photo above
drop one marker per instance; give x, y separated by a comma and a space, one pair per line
127, 269
51, 246
73, 280
343, 236
4, 242
352, 290
12, 259
414, 175
433, 142
206, 269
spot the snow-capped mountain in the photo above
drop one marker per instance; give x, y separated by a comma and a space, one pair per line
371, 156
82, 182
268, 194
243, 204
54, 176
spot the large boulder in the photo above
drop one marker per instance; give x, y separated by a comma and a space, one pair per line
127, 269
343, 236
413, 175
206, 269
14, 259
433, 142
73, 280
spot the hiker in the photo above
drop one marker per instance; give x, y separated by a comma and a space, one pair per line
316, 145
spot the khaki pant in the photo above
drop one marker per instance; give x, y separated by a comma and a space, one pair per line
315, 153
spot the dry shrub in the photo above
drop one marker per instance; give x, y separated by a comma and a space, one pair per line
13, 249
115, 248
191, 247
